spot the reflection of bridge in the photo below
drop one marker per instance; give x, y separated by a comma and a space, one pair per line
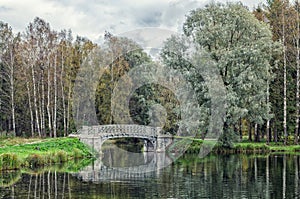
95, 136
98, 171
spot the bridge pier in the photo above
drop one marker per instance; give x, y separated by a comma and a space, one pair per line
163, 142
150, 145
94, 142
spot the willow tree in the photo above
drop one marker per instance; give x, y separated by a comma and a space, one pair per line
241, 46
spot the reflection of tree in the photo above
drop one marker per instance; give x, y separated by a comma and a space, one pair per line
296, 174
9, 178
284, 177
233, 176
216, 176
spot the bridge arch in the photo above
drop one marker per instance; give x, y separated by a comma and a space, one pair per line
149, 142
98, 171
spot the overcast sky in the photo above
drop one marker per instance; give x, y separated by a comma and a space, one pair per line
91, 18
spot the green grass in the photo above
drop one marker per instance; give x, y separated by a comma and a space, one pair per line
180, 145
250, 147
244, 147
291, 148
263, 147
41, 152
11, 141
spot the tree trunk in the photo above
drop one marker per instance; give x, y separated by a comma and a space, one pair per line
63, 96
268, 132
275, 132
241, 129
48, 104
55, 100
268, 121
258, 134
43, 106
30, 109
69, 106
255, 132
12, 91
39, 97
297, 78
112, 84
35, 100
250, 132
284, 79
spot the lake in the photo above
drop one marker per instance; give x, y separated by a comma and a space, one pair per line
121, 174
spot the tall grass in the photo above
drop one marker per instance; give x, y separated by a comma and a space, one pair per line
9, 161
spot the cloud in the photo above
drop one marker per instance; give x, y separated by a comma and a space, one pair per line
92, 18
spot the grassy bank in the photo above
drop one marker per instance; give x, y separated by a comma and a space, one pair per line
40, 152
250, 147
238, 148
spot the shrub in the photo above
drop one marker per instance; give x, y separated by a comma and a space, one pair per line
35, 160
61, 156
78, 153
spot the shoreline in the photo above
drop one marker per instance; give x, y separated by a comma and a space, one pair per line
246, 147
20, 153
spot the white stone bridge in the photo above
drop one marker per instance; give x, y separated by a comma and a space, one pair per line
95, 136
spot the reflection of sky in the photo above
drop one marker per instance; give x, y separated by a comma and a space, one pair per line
91, 18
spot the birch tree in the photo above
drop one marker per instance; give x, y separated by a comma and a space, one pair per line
284, 78
9, 46
297, 39
283, 19
40, 45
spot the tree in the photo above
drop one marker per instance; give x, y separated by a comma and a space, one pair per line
240, 45
9, 45
125, 54
297, 40
283, 19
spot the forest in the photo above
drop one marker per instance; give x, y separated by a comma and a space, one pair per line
256, 51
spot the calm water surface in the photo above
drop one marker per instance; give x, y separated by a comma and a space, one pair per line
119, 175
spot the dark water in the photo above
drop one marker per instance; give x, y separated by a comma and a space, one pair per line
216, 176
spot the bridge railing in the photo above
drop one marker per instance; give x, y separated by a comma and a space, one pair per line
120, 129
